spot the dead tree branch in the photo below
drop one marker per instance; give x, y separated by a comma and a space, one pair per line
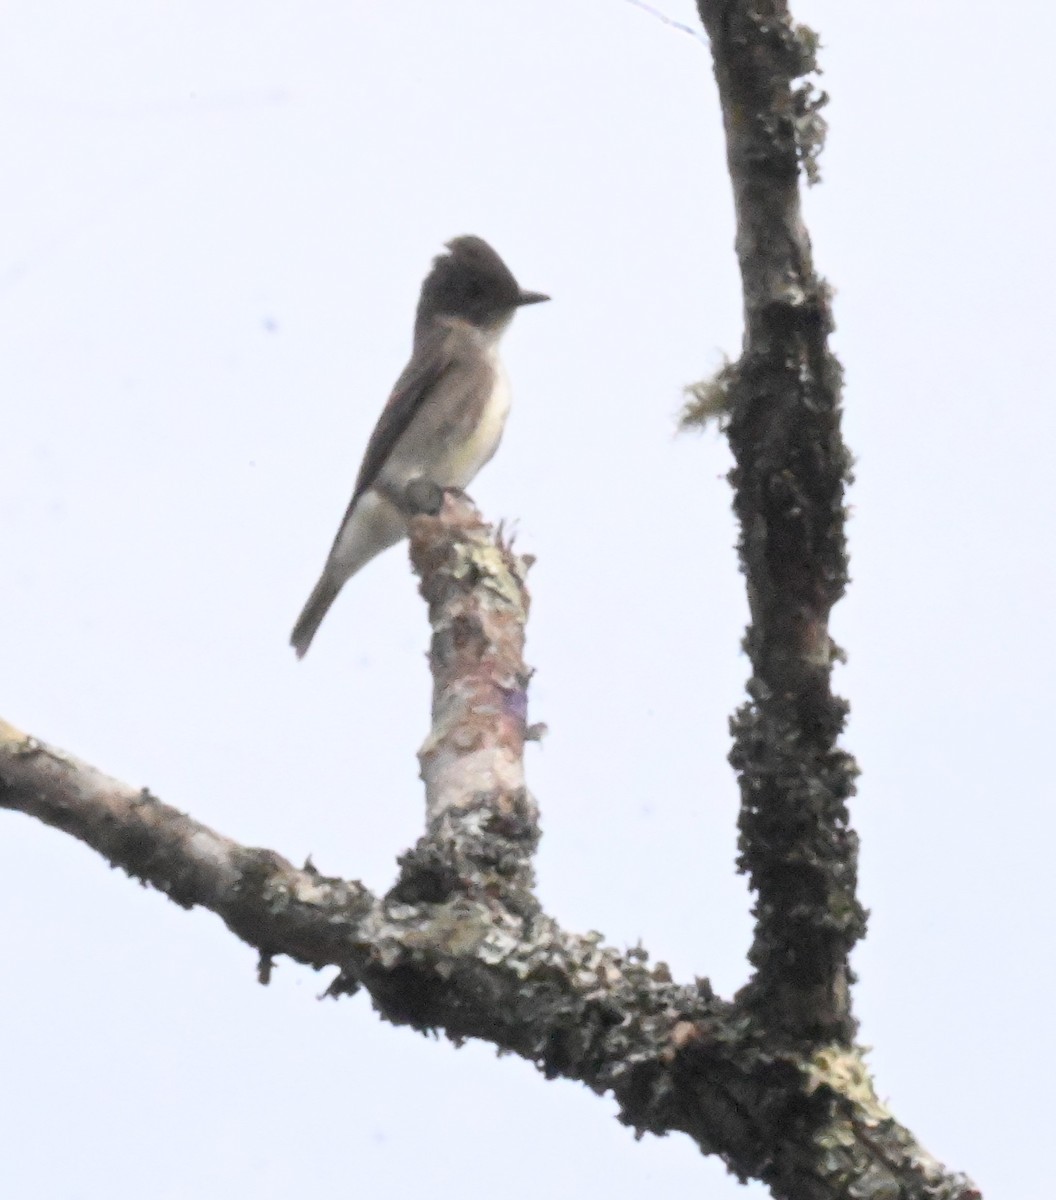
783, 399
482, 825
459, 944
771, 1082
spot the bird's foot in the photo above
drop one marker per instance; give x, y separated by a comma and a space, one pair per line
422, 496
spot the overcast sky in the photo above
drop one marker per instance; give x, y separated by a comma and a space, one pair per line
213, 224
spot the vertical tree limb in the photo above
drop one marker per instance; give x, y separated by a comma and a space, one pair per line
482, 824
783, 397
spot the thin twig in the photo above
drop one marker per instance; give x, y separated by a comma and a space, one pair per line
696, 34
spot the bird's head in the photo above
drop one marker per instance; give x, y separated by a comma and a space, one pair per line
472, 283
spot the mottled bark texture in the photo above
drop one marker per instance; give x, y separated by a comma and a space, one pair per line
482, 825
459, 944
783, 419
771, 1081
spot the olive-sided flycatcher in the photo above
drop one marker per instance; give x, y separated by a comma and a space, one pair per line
443, 420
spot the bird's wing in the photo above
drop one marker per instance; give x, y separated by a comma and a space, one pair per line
432, 360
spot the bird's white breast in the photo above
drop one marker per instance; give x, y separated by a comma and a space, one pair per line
483, 439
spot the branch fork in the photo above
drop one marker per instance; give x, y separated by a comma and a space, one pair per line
772, 1080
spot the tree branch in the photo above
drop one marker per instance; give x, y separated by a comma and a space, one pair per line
482, 825
474, 957
772, 1082
675, 1057
258, 894
783, 398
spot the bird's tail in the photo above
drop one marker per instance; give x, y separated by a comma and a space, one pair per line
371, 525
323, 595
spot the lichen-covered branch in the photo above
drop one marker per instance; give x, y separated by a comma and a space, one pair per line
259, 895
783, 420
676, 1057
482, 825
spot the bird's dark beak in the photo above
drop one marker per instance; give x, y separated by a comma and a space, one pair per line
531, 298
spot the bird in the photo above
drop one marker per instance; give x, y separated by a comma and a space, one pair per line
442, 422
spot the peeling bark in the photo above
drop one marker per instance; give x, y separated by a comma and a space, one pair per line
482, 825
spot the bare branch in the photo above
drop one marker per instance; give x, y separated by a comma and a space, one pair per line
783, 399
482, 824
675, 1057
476, 958
259, 895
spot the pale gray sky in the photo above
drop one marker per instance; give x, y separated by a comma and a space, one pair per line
214, 222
